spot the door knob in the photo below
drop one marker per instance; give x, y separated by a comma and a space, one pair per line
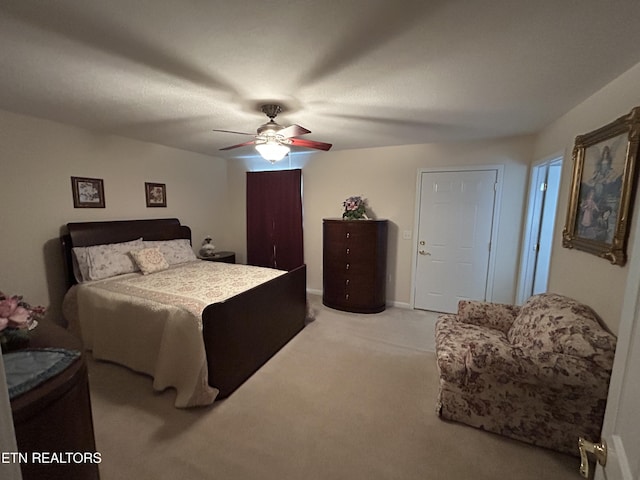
599, 450
422, 252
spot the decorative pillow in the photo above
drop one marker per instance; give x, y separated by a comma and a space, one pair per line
174, 251
112, 259
80, 264
150, 260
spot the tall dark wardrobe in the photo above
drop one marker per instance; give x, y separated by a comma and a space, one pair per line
274, 219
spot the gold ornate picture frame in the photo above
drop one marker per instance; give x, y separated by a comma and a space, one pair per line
602, 189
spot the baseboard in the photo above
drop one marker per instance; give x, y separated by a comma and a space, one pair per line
404, 305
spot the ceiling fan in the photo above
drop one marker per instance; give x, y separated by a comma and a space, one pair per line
272, 140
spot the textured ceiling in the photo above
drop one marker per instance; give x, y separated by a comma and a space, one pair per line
357, 73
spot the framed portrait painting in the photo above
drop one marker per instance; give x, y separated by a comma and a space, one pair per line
602, 189
156, 194
87, 192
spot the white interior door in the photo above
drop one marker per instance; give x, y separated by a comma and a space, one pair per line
538, 240
547, 223
454, 237
621, 429
537, 189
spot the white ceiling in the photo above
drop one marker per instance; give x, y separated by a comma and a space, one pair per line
357, 73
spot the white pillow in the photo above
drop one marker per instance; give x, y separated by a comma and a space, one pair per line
149, 260
174, 251
80, 264
112, 259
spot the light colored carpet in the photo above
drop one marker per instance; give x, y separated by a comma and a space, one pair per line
351, 397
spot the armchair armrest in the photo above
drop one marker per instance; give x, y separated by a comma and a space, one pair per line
498, 316
559, 369
553, 370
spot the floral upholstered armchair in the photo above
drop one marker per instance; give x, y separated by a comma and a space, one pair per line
537, 373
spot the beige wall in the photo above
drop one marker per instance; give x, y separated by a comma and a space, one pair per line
37, 159
575, 273
387, 178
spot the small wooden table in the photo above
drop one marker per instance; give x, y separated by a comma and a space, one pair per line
55, 416
224, 257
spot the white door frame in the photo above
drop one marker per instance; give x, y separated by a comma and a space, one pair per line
494, 230
528, 241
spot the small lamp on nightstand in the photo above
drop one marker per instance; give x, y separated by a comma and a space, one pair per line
208, 248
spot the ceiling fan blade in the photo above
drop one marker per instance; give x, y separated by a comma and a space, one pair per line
293, 131
250, 142
299, 142
232, 131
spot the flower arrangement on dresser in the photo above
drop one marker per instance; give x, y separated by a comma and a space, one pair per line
355, 208
17, 318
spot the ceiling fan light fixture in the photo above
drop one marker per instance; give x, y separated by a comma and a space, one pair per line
273, 141
272, 150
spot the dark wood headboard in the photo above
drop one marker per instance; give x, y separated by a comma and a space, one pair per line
85, 234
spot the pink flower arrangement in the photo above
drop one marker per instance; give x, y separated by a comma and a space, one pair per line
15, 313
354, 208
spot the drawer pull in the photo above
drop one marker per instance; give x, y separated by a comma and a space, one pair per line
348, 266
347, 281
346, 297
348, 234
348, 251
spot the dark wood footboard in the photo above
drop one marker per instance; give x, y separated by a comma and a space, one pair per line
242, 333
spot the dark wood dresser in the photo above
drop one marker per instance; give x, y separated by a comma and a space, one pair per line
55, 417
354, 265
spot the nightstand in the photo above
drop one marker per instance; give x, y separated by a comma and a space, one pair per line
224, 257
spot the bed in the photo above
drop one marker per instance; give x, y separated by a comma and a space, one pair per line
230, 341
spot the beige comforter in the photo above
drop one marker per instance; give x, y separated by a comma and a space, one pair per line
153, 323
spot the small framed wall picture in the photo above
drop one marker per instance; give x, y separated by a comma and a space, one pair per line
156, 194
87, 192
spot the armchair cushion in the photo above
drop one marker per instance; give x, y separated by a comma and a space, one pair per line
499, 316
469, 354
